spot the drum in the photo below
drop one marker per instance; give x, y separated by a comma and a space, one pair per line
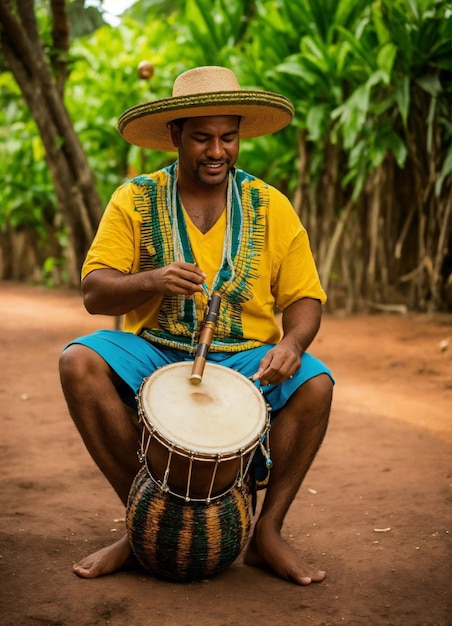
185, 541
188, 511
198, 440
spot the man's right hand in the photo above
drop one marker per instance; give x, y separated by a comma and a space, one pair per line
178, 278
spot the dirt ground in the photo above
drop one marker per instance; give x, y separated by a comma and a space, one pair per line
375, 510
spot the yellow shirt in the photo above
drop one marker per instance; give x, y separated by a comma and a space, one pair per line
282, 272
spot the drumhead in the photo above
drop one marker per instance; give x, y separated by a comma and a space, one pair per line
224, 413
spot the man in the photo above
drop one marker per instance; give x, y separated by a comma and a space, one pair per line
165, 243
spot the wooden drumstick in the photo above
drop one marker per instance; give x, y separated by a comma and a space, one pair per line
205, 339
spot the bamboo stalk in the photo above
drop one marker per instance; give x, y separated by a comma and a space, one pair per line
325, 269
441, 251
375, 206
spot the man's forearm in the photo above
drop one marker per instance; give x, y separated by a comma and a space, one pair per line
301, 322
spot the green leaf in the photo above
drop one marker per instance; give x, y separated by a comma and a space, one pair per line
315, 122
386, 57
398, 149
295, 68
402, 97
430, 83
376, 78
363, 53
382, 31
446, 171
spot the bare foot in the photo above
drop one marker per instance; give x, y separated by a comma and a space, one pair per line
267, 549
110, 559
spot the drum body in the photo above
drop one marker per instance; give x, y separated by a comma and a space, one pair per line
198, 440
185, 541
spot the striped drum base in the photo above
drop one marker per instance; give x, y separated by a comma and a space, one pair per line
184, 541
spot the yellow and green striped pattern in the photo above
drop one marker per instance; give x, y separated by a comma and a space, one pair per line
185, 541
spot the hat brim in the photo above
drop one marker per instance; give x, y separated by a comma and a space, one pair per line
262, 113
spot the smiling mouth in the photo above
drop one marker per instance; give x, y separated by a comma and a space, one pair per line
214, 166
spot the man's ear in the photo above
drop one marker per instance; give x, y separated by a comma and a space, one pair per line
175, 133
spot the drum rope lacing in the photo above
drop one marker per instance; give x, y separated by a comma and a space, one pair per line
259, 440
163, 484
143, 456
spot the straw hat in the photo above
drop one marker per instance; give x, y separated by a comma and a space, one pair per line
202, 91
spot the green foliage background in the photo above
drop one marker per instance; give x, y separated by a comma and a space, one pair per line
371, 84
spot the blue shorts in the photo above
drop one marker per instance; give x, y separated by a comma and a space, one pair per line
134, 358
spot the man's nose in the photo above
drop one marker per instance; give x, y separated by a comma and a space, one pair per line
215, 148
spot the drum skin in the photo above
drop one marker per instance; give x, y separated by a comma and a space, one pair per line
186, 541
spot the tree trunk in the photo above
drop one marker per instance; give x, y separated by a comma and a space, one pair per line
77, 196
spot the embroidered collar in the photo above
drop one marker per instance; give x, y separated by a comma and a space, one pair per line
232, 239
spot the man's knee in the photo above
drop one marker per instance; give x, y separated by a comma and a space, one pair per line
75, 363
322, 385
317, 393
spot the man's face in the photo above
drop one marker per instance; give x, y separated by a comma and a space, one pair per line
208, 148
